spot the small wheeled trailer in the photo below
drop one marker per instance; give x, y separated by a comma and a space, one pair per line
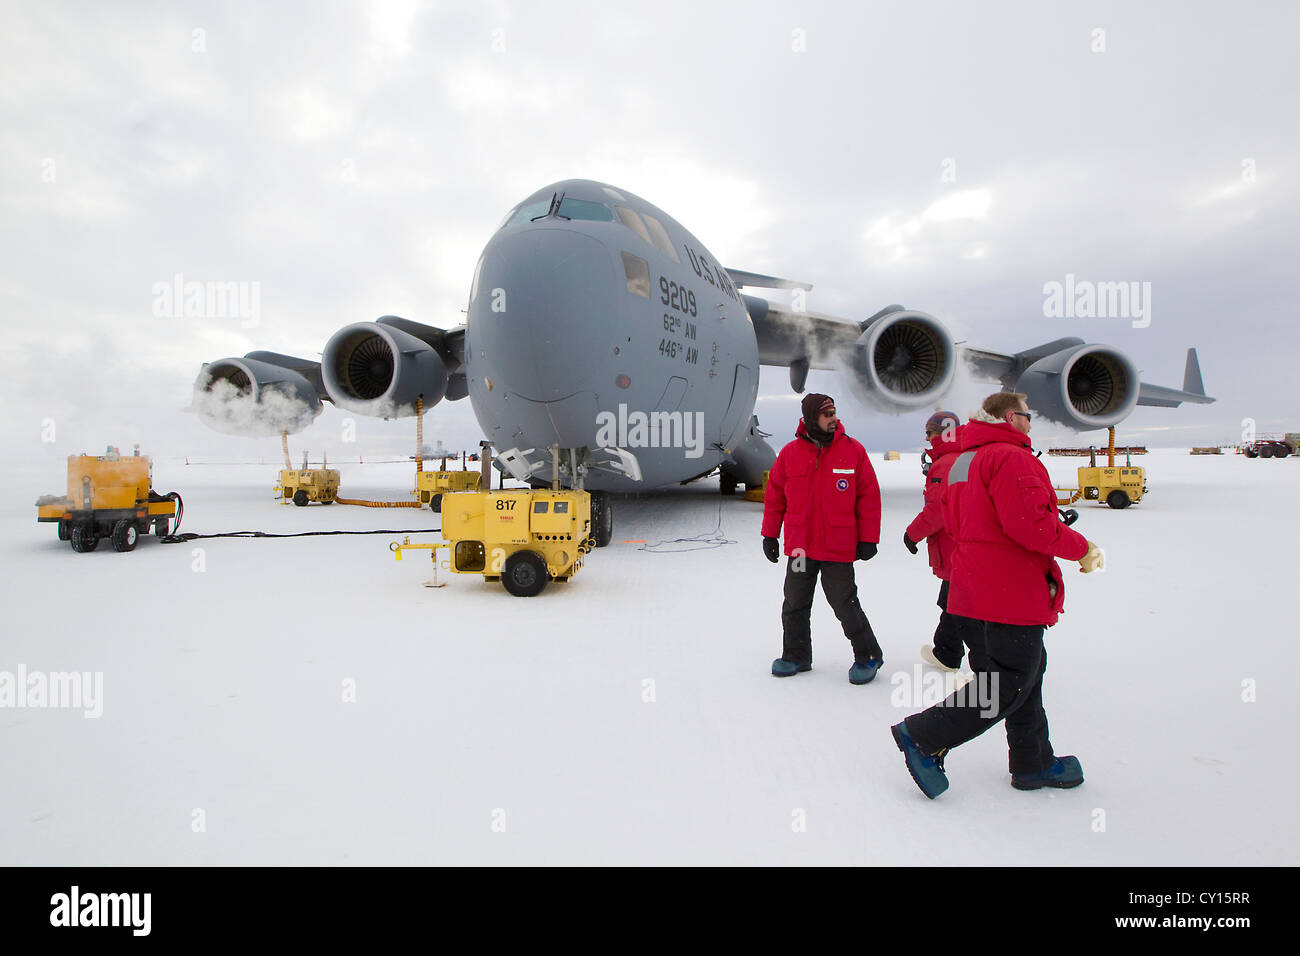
110, 496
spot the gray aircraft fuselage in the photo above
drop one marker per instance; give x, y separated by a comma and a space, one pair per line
581, 329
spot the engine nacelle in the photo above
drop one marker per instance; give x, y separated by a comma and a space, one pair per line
902, 360
1084, 387
242, 396
375, 369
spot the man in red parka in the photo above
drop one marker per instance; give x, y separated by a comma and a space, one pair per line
941, 433
1001, 507
824, 490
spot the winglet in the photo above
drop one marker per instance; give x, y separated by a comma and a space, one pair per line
1192, 375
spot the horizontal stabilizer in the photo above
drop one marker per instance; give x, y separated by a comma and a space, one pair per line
1193, 389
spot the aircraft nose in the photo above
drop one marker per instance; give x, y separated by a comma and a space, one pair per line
544, 312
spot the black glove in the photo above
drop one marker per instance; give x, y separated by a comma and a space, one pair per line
911, 545
866, 550
772, 548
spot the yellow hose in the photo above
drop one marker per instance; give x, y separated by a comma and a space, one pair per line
378, 504
419, 435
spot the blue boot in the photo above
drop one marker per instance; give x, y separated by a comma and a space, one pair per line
926, 770
783, 668
1064, 773
864, 672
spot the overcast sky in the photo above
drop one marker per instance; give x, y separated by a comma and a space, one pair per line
352, 159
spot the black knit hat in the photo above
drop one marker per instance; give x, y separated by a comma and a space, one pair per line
814, 403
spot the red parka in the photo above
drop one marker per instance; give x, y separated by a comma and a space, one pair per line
928, 525
1001, 507
828, 498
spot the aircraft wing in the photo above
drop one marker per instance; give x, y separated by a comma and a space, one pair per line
997, 367
904, 359
799, 340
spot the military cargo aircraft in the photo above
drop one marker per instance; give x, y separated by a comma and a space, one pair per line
597, 323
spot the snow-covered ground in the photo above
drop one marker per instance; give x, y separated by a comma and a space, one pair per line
306, 701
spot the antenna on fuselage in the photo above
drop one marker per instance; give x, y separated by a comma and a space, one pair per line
554, 212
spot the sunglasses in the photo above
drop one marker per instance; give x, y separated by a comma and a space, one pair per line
1025, 415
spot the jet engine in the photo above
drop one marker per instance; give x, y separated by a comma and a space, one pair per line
1084, 386
247, 396
902, 360
376, 368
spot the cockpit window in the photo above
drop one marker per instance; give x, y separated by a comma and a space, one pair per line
629, 218
473, 289
660, 236
638, 275
573, 208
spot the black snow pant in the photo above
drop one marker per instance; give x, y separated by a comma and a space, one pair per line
841, 592
947, 642
1009, 661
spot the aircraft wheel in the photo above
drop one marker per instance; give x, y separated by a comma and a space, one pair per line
435, 504
300, 499
524, 574
727, 484
1118, 499
83, 538
602, 518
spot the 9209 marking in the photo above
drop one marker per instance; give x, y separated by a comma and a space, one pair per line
677, 297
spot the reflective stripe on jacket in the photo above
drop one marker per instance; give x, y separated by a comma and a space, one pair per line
1001, 507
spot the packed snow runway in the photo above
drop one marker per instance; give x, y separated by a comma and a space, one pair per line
307, 701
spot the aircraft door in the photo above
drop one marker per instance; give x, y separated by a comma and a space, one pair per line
741, 405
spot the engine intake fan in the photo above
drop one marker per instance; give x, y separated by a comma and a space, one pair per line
375, 369
902, 360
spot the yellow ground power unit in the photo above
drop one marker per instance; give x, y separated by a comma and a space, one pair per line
304, 485
109, 496
1119, 486
520, 537
430, 486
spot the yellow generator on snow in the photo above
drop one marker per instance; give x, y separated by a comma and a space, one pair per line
430, 486
1119, 487
520, 537
109, 496
308, 484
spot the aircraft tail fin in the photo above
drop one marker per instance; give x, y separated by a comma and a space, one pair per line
1192, 375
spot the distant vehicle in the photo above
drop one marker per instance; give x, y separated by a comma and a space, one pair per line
1269, 448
